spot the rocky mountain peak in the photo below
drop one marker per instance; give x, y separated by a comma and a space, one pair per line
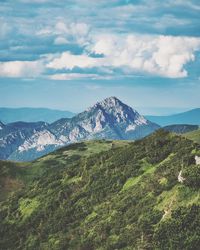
108, 119
120, 112
107, 103
110, 102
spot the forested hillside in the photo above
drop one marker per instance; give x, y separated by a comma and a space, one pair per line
193, 135
105, 195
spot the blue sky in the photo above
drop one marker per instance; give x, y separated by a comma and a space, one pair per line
70, 54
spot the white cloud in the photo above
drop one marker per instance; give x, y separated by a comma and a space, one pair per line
81, 29
76, 76
60, 41
69, 61
159, 55
75, 32
104, 44
21, 69
72, 76
60, 28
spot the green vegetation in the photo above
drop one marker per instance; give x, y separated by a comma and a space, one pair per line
193, 135
11, 178
105, 195
27, 206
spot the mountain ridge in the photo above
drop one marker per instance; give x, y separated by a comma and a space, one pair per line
181, 128
191, 117
109, 119
27, 114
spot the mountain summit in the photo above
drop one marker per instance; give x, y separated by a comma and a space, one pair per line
108, 119
110, 103
119, 111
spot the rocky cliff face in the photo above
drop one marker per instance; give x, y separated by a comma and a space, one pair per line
110, 119
13, 135
1, 125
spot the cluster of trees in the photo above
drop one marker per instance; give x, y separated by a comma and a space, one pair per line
181, 231
79, 202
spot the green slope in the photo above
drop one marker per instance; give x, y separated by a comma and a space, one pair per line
15, 175
193, 135
10, 178
107, 195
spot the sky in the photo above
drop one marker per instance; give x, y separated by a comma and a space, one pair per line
70, 54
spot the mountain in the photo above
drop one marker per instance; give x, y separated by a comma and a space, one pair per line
189, 117
13, 135
109, 119
104, 195
10, 115
181, 128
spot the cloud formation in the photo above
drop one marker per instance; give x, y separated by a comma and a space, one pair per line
21, 69
164, 56
66, 32
72, 76
104, 38
69, 61
159, 55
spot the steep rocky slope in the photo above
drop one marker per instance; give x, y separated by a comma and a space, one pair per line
109, 119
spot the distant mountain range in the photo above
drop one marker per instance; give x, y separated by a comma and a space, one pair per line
110, 119
8, 115
189, 117
181, 128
